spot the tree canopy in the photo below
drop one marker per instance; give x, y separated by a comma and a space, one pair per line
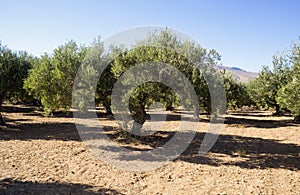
51, 77
289, 94
13, 70
279, 88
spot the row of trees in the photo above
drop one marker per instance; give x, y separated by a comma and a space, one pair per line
14, 67
278, 88
49, 79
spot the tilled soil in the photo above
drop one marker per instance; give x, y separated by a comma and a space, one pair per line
254, 154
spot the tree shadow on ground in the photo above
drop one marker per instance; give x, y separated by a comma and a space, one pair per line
10, 186
245, 152
263, 124
258, 114
17, 109
234, 150
251, 113
47, 131
33, 111
254, 152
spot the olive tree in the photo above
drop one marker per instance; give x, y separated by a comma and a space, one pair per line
264, 89
51, 77
165, 47
13, 70
289, 94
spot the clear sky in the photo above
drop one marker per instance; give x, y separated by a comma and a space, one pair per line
246, 33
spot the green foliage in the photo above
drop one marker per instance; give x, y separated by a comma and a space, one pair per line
13, 70
289, 94
86, 87
165, 47
150, 92
236, 93
279, 88
39, 83
25, 64
264, 89
51, 78
107, 79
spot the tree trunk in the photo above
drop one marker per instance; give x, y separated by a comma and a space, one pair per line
139, 118
297, 119
197, 112
277, 110
107, 107
2, 122
169, 107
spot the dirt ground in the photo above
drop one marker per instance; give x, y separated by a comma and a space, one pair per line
255, 154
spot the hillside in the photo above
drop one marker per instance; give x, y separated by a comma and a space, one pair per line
241, 75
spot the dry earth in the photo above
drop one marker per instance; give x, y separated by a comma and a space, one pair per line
255, 154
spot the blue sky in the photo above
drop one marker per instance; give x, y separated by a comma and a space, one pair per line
246, 33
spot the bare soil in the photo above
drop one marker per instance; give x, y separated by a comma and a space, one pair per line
255, 154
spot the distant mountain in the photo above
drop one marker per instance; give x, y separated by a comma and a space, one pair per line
240, 74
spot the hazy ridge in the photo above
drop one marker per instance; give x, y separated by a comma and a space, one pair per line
240, 74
